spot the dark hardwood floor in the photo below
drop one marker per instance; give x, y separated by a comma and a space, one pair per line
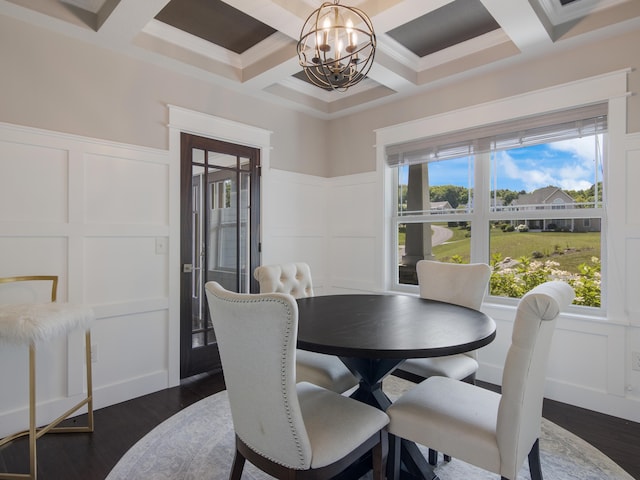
92, 456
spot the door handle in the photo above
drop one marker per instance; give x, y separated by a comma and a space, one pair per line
187, 268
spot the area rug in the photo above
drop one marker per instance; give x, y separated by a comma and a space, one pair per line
198, 444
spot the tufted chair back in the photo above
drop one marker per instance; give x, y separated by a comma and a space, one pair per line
327, 371
518, 424
257, 340
290, 431
292, 278
458, 283
493, 431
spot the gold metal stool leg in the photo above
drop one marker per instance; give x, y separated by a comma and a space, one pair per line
35, 433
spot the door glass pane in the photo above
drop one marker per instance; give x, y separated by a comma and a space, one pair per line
245, 232
198, 340
222, 226
197, 282
228, 230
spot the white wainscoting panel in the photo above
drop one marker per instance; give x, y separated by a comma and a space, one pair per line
124, 269
294, 222
579, 358
353, 264
586, 362
91, 212
329, 223
632, 167
141, 196
354, 243
353, 200
632, 276
633, 348
294, 203
126, 353
35, 255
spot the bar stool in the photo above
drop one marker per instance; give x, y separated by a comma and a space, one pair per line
29, 324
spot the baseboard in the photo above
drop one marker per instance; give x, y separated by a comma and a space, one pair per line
18, 420
119, 392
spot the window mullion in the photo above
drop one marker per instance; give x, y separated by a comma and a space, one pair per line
481, 203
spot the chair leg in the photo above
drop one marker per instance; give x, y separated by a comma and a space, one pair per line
433, 457
534, 461
237, 467
33, 432
87, 351
33, 464
380, 453
393, 464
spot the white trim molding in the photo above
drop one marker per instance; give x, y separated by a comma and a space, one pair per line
197, 123
593, 366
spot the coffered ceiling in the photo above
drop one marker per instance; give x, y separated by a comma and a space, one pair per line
250, 45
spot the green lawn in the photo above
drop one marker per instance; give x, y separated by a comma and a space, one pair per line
567, 249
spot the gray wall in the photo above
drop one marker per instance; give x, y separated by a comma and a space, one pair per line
353, 137
54, 82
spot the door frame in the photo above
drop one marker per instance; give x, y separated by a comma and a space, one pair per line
206, 358
185, 120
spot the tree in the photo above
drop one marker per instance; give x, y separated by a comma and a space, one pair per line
588, 195
402, 196
449, 193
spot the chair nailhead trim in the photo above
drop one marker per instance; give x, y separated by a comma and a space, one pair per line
283, 377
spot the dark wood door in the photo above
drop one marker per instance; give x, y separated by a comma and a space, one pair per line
220, 194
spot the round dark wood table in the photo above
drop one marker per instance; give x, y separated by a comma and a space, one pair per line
374, 334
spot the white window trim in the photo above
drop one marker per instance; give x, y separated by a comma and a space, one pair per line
611, 88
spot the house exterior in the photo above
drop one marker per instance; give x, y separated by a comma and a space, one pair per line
441, 207
552, 198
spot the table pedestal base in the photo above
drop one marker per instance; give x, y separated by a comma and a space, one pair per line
370, 372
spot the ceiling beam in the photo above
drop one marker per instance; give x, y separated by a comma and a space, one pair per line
520, 22
128, 18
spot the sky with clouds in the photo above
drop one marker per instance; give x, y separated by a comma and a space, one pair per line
568, 164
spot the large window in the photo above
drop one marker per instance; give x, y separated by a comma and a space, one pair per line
526, 197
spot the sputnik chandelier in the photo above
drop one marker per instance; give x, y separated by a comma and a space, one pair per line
337, 46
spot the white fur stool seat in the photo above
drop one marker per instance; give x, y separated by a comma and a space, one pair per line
32, 324
27, 323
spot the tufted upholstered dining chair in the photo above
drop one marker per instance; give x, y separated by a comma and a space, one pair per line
324, 370
288, 430
461, 284
490, 430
